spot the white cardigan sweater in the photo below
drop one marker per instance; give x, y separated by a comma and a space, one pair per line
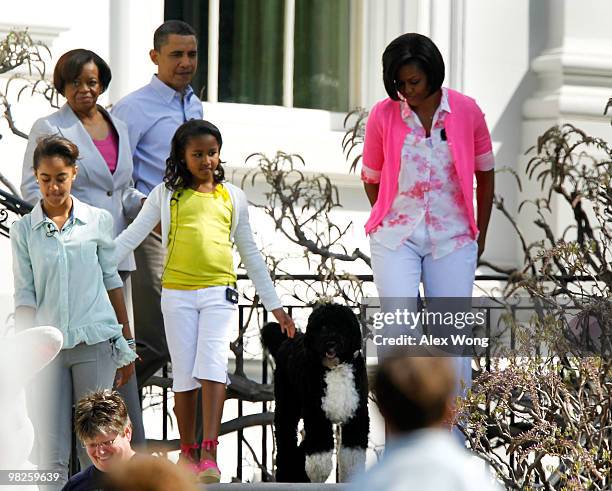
157, 207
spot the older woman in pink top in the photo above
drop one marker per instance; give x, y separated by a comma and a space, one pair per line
423, 146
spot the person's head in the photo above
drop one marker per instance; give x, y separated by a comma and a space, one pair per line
81, 76
195, 155
55, 168
175, 52
414, 392
102, 424
149, 474
413, 67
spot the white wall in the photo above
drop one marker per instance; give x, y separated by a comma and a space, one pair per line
85, 24
501, 39
131, 39
573, 84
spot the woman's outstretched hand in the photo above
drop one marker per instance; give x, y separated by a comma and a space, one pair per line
286, 322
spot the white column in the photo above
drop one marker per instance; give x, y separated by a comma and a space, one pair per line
119, 41
446, 22
213, 50
574, 77
132, 24
424, 19
575, 72
382, 22
441, 28
457, 45
288, 52
357, 37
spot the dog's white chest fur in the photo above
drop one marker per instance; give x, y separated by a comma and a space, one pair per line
340, 400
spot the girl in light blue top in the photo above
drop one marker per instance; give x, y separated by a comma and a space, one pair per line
66, 276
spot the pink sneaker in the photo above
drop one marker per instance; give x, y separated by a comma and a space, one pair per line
209, 473
188, 458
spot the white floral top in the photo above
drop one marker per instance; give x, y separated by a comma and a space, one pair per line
428, 189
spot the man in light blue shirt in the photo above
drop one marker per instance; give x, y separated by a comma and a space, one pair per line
415, 397
152, 114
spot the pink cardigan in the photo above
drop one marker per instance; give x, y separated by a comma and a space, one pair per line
468, 138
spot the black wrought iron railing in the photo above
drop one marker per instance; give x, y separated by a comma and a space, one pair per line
261, 391
246, 390
242, 388
11, 208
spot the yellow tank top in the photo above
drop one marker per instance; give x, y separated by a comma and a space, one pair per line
199, 246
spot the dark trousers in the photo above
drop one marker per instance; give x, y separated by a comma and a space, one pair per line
130, 392
148, 320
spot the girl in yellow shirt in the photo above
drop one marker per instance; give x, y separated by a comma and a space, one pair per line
202, 217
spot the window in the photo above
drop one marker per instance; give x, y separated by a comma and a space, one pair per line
251, 51
321, 47
294, 53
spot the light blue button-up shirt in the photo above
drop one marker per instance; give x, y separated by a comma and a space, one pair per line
426, 459
152, 115
64, 275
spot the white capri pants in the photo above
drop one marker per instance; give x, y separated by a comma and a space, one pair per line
198, 326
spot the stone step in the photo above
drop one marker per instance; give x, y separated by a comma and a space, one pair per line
275, 486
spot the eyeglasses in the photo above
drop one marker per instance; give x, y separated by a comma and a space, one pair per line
103, 445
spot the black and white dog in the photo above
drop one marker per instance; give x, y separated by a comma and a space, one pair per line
321, 377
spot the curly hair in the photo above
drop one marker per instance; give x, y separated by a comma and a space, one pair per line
177, 176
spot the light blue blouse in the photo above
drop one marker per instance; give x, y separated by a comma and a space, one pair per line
64, 275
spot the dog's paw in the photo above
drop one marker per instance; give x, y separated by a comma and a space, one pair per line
319, 466
351, 460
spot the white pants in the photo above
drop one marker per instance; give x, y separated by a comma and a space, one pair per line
198, 326
398, 273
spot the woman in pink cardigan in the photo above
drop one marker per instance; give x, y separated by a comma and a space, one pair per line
423, 146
